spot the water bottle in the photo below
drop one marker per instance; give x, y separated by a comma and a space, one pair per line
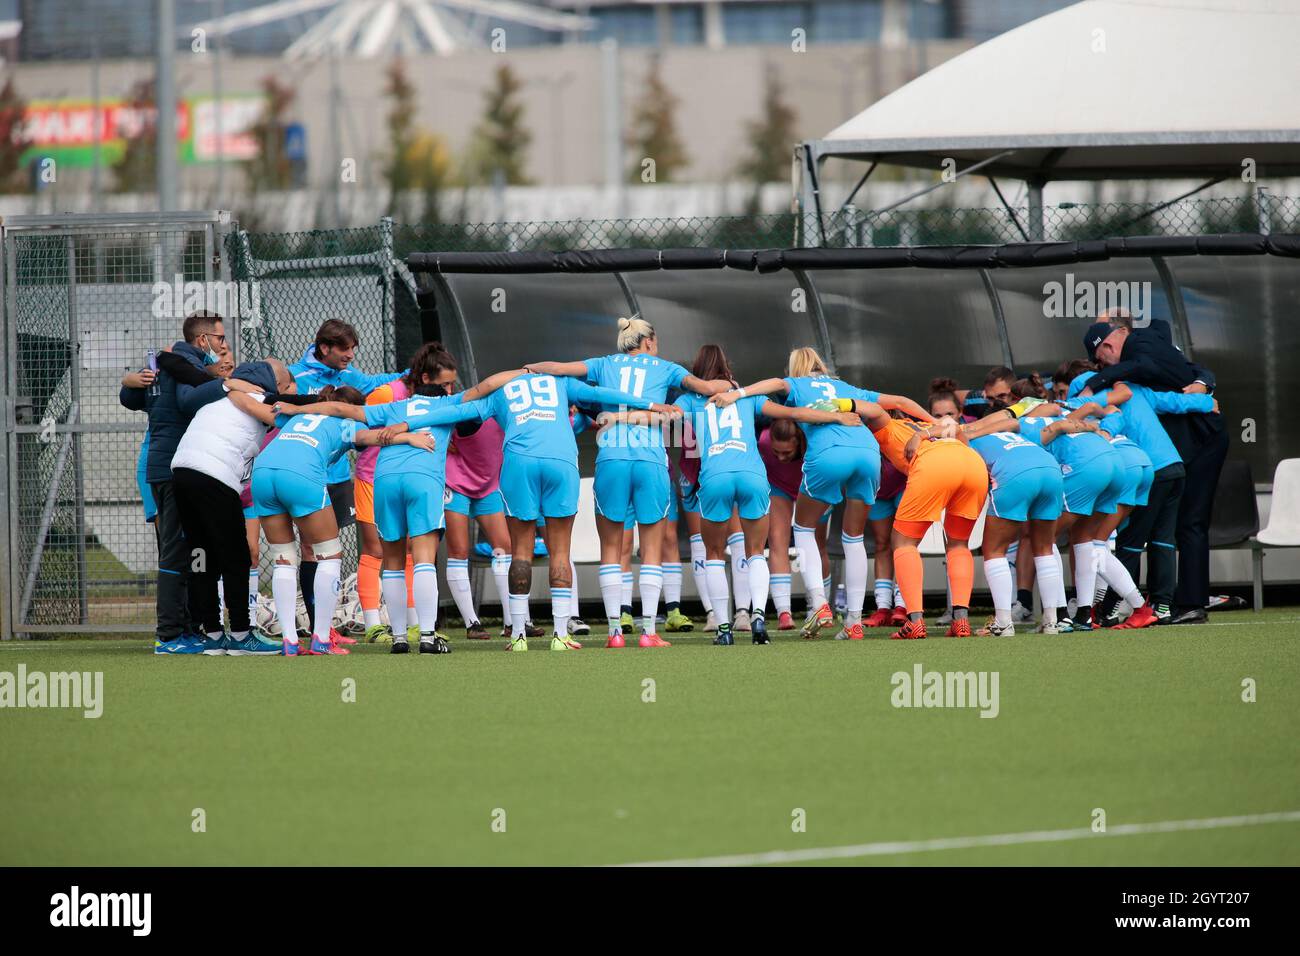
841, 599
151, 360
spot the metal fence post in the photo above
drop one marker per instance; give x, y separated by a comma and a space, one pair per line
78, 469
389, 306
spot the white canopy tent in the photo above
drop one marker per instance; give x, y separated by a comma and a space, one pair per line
1104, 89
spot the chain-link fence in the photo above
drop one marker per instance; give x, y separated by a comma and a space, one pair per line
86, 296
84, 300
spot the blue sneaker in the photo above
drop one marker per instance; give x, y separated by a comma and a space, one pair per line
290, 649
216, 646
182, 644
252, 644
724, 638
539, 548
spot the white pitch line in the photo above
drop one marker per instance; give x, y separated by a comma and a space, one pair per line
969, 842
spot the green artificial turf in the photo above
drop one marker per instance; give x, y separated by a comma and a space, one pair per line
1148, 726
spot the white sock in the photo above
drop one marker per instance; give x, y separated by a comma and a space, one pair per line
652, 583
425, 585
780, 584
898, 595
884, 591
254, 582
458, 582
611, 590
1085, 571
370, 616
826, 585
221, 598
698, 571
501, 574
326, 592
810, 565
739, 571
855, 577
672, 582
561, 599
392, 585
518, 614
1112, 570
1002, 585
625, 596
284, 590
573, 590
719, 590
1051, 582
759, 579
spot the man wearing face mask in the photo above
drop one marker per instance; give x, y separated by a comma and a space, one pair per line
170, 412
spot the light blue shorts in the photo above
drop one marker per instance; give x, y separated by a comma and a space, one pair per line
632, 490
1096, 487
472, 507
1037, 494
841, 473
1138, 475
278, 491
722, 494
885, 507
533, 488
407, 505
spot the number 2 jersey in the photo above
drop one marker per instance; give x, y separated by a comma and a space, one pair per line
437, 414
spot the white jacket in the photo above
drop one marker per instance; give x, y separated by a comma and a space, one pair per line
222, 442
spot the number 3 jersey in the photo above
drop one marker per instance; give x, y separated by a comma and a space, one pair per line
308, 444
725, 438
533, 411
643, 376
810, 389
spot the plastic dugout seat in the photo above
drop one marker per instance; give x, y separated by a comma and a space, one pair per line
1283, 528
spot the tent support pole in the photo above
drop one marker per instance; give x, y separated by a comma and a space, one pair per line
999, 318
1035, 208
1010, 212
1165, 205
861, 182
944, 182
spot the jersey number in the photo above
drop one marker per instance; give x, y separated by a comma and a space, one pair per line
728, 417
827, 387
536, 391
307, 423
631, 381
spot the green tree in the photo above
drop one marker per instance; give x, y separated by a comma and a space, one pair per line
500, 145
136, 169
416, 158
771, 138
271, 168
654, 131
13, 139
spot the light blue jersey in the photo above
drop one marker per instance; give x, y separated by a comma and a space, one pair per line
437, 414
725, 438
643, 376
1073, 451
533, 411
1137, 419
308, 444
805, 391
1007, 454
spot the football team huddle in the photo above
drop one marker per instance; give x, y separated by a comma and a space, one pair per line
755, 472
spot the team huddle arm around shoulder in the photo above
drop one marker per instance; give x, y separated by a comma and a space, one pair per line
768, 386
337, 409
182, 369
1179, 403
558, 369
491, 384
580, 391
251, 406
191, 398
366, 382
905, 405
706, 388
812, 416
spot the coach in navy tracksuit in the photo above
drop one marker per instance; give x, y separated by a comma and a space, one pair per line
169, 413
1148, 357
